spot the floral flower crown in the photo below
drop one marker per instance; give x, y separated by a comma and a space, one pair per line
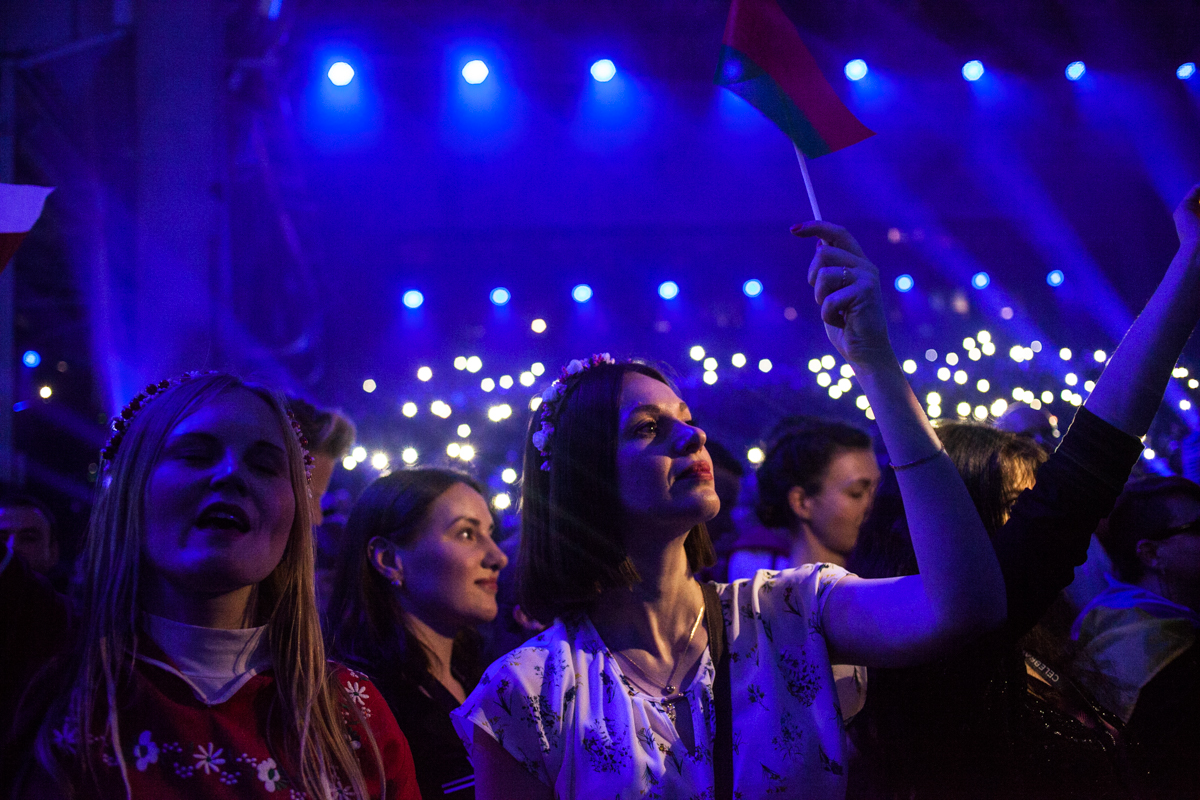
554, 393
121, 422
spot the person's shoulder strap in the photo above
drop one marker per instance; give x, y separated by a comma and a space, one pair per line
723, 700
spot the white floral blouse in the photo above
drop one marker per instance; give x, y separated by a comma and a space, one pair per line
562, 707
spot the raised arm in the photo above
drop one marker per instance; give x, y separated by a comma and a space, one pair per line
959, 591
1051, 524
1128, 393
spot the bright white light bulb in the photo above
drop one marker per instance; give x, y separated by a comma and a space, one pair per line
603, 70
475, 72
340, 73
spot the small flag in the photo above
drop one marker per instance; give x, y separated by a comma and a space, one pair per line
20, 207
764, 62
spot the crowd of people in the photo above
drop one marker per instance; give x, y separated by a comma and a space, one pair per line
911, 632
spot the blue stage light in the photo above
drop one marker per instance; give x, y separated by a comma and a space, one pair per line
475, 72
604, 70
1055, 277
413, 298
972, 70
856, 70
500, 296
905, 283
582, 293
1186, 71
668, 290
31, 358
341, 73
1076, 70
752, 288
980, 280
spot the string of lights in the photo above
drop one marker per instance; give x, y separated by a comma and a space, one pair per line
976, 378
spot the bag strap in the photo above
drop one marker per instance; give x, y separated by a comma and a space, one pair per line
723, 701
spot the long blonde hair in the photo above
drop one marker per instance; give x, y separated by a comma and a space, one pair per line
112, 571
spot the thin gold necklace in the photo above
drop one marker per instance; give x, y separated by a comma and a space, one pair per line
669, 688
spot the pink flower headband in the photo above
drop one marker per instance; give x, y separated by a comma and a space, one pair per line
554, 393
121, 422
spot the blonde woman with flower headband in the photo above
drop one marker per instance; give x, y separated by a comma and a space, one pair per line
652, 685
200, 670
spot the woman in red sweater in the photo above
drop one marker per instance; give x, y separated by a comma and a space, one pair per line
199, 670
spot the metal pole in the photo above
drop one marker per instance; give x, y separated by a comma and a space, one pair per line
8, 127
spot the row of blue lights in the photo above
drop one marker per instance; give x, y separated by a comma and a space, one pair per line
669, 290
474, 72
582, 293
603, 71
973, 70
980, 280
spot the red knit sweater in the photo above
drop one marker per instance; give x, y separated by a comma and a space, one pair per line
175, 746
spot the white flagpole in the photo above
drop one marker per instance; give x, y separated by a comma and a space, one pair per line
812, 196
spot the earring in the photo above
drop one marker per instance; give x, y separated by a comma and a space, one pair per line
397, 582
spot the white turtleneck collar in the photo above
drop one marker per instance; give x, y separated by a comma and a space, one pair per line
214, 662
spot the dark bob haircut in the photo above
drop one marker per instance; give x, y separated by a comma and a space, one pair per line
995, 465
798, 454
572, 546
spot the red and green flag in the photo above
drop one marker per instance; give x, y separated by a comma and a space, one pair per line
764, 61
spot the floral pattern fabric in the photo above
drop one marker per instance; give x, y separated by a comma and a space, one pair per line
561, 706
179, 747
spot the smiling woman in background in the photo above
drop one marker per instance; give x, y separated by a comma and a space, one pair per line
418, 573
